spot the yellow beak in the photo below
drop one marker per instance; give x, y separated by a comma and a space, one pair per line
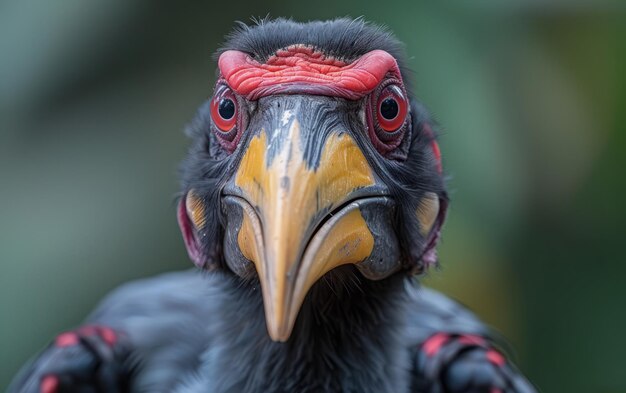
300, 220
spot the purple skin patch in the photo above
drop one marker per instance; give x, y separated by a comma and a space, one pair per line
429, 257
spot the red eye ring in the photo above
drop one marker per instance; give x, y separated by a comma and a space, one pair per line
391, 109
224, 111
388, 118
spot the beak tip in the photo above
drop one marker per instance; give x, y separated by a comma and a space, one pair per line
279, 334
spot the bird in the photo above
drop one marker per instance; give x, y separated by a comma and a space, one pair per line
312, 202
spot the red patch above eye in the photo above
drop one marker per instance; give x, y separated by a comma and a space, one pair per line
224, 109
299, 68
392, 108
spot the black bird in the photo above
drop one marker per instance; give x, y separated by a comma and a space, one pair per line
312, 196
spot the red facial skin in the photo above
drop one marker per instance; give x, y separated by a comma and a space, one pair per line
301, 69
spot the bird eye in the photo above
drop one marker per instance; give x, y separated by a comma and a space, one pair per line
224, 109
387, 113
392, 108
228, 115
389, 109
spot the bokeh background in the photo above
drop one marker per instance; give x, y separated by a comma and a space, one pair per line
531, 96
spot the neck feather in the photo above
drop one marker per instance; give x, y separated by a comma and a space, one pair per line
348, 337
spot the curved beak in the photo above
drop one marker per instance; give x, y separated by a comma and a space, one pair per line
302, 190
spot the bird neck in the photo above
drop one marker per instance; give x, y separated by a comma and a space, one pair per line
348, 331
345, 306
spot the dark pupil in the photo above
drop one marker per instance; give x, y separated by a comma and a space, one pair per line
226, 108
389, 108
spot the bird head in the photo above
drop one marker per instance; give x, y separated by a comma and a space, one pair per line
311, 153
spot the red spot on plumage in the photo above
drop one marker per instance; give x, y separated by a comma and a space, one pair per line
108, 335
49, 384
302, 69
496, 358
495, 390
66, 339
434, 343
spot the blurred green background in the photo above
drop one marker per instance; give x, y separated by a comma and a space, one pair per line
531, 96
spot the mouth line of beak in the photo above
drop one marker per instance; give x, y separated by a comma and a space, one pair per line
323, 225
337, 210
360, 197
